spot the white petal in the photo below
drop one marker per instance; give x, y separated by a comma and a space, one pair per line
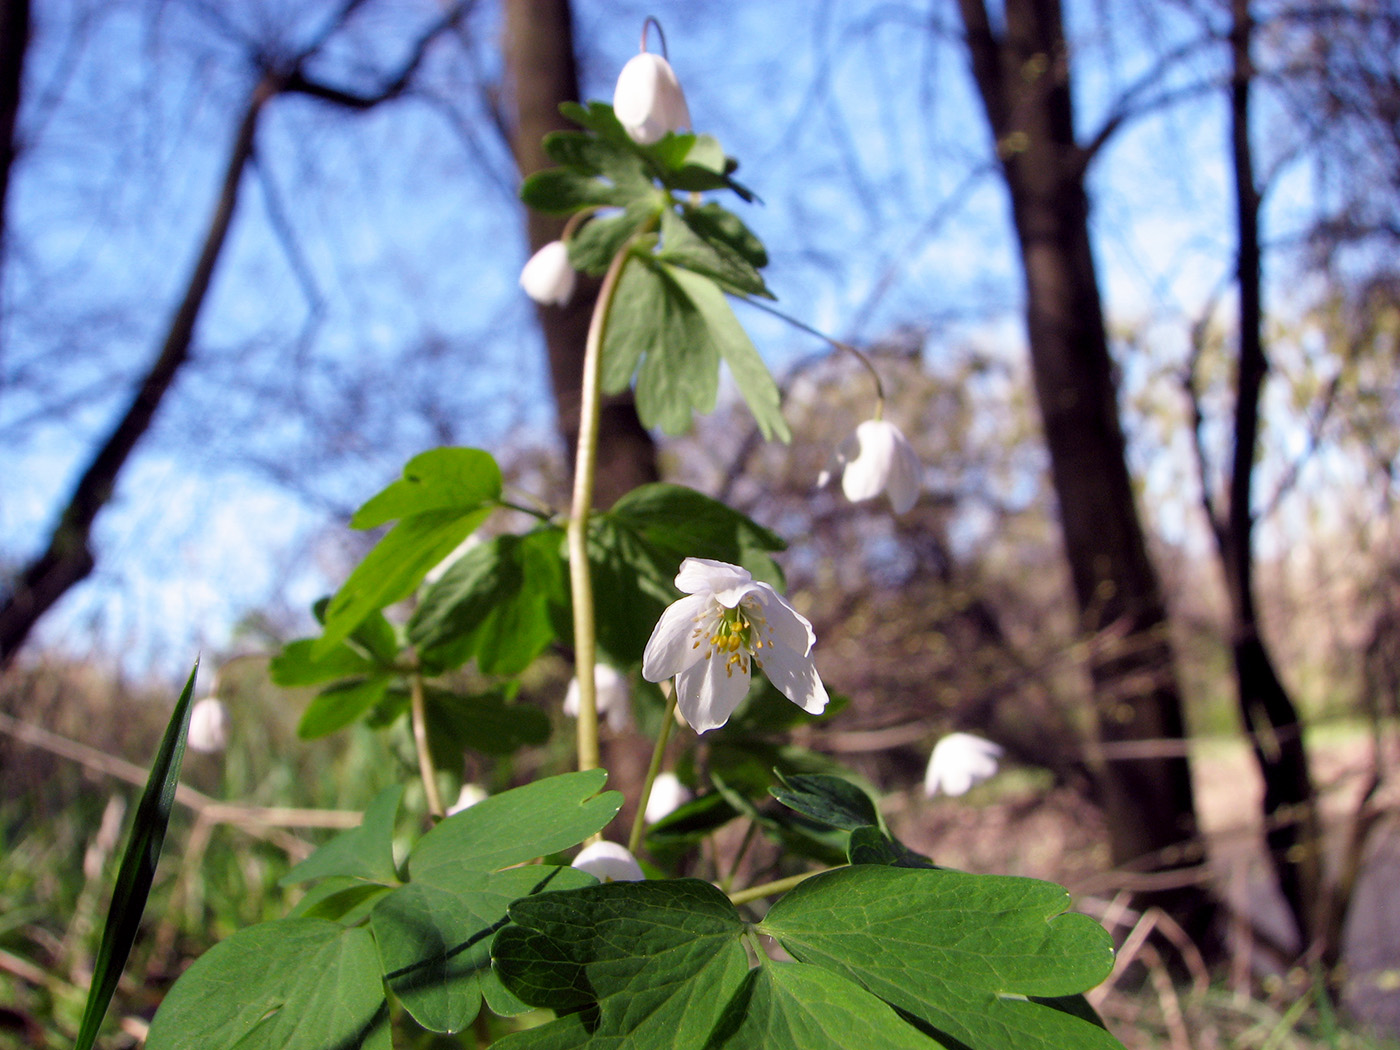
609, 862
468, 797
906, 475
784, 626
795, 676
867, 472
671, 648
208, 731
549, 277
708, 692
705, 576
667, 795
959, 761
648, 99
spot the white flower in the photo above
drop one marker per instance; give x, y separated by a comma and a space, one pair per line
668, 794
609, 862
959, 761
468, 797
614, 697
877, 458
727, 623
548, 277
208, 726
648, 99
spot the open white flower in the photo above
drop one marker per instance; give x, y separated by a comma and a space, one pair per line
711, 639
609, 862
959, 761
668, 794
208, 726
648, 99
877, 458
613, 693
549, 277
468, 797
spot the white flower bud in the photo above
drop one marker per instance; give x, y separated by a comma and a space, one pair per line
648, 99
609, 862
612, 693
668, 794
468, 797
208, 726
548, 277
959, 761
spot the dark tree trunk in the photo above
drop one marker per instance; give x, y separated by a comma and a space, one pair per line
14, 43
541, 74
1023, 76
1267, 711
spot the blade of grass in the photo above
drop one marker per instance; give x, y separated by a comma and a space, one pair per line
138, 868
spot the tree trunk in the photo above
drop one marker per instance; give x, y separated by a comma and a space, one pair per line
14, 43
541, 74
1289, 803
1023, 76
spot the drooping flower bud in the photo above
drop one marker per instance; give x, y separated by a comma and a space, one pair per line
468, 797
609, 862
877, 458
959, 761
208, 726
548, 277
648, 99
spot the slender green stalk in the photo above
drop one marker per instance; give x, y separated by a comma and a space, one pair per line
739, 855
657, 754
771, 889
418, 711
834, 343
585, 468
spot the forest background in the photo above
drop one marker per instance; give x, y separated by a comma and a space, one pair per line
300, 220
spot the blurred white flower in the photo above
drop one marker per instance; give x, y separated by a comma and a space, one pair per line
609, 862
877, 458
208, 726
648, 99
440, 569
468, 797
728, 623
959, 761
548, 277
614, 695
668, 794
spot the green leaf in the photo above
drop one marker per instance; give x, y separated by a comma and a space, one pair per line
561, 191
395, 567
652, 963
291, 984
364, 852
340, 899
138, 867
827, 799
687, 824
592, 247
959, 952
732, 343
686, 247
656, 330
296, 665
341, 704
804, 1008
434, 943
484, 723
494, 604
440, 479
618, 162
540, 818
873, 845
719, 225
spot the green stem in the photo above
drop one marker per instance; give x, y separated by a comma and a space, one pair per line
739, 855
771, 889
834, 343
426, 769
585, 467
657, 754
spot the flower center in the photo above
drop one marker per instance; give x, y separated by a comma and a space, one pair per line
736, 635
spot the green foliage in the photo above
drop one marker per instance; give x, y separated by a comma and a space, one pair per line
319, 980
443, 496
904, 953
138, 867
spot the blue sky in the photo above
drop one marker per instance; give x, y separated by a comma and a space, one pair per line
855, 123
